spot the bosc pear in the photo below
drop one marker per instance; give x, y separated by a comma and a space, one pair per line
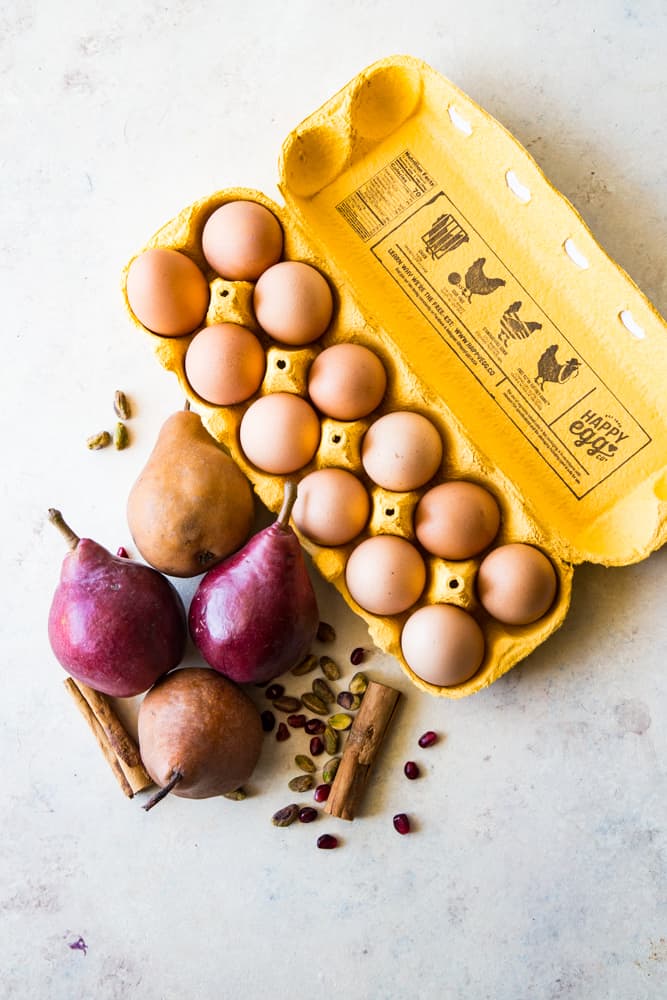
191, 505
199, 734
255, 615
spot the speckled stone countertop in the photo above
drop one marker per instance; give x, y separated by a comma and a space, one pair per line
537, 864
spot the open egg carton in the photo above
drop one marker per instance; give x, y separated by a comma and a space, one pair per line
495, 316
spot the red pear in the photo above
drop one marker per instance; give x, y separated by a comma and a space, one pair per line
255, 615
114, 624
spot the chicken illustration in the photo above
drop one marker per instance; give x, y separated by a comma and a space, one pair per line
551, 370
475, 281
513, 327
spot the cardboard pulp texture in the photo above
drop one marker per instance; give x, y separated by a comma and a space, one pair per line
495, 313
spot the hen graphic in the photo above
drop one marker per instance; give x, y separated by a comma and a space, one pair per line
512, 326
475, 282
551, 370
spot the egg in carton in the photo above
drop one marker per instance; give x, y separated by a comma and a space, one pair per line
498, 321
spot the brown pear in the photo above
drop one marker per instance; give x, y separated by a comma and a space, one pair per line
191, 505
199, 734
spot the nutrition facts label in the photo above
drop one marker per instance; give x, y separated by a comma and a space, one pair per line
385, 196
480, 310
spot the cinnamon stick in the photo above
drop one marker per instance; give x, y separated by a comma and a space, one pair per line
119, 739
118, 747
363, 743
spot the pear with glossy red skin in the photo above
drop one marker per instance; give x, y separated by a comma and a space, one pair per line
114, 624
255, 615
199, 734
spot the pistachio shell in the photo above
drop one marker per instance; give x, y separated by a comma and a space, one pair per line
330, 738
323, 691
329, 668
307, 664
304, 763
359, 683
302, 783
314, 703
237, 795
286, 815
330, 768
340, 721
98, 441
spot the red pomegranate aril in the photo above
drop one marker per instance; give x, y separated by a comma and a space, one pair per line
357, 656
428, 739
315, 726
411, 770
282, 733
122, 552
296, 721
327, 842
321, 793
401, 823
268, 720
307, 814
316, 746
274, 691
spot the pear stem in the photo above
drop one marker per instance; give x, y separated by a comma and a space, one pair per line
56, 518
289, 499
163, 792
186, 404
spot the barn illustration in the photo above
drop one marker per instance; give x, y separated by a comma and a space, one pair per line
444, 236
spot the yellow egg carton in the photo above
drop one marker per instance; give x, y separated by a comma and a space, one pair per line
495, 313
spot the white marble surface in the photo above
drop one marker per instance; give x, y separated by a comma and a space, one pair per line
537, 866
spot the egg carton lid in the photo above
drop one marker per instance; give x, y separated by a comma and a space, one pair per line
451, 239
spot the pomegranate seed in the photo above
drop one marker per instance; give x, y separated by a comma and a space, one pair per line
327, 842
268, 720
316, 746
321, 793
282, 733
428, 739
401, 823
357, 656
411, 770
122, 552
315, 726
296, 721
307, 814
274, 691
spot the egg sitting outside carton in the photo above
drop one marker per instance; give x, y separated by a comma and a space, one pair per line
401, 451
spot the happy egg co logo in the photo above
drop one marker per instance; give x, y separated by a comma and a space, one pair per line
601, 434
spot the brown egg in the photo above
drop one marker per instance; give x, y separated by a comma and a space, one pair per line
456, 520
401, 451
385, 574
241, 239
225, 363
332, 507
347, 381
279, 433
443, 644
516, 583
167, 292
293, 302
